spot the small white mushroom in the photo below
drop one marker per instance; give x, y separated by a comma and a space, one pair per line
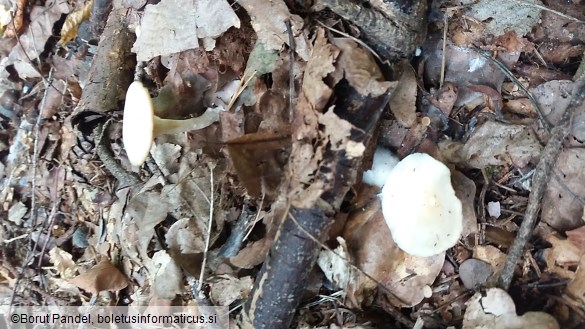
382, 164
420, 206
141, 125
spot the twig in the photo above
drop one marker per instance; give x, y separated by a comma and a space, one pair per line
125, 178
209, 224
539, 180
526, 3
236, 238
291, 66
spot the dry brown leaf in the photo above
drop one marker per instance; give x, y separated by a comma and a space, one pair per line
69, 29
319, 66
101, 277
226, 289
403, 99
14, 27
563, 255
63, 262
577, 237
370, 243
576, 288
561, 205
268, 20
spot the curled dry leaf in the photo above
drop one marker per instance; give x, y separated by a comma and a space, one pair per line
14, 27
101, 277
69, 29
496, 310
562, 256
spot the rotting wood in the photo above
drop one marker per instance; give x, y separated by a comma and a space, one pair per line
539, 181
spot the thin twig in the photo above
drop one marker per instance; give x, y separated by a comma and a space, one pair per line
539, 181
531, 4
208, 237
291, 66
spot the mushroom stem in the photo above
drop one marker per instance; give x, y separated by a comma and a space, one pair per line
169, 126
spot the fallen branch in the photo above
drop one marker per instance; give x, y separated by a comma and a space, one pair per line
539, 181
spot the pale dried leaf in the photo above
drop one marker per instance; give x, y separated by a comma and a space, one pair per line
268, 20
499, 17
495, 309
576, 288
226, 289
166, 28
168, 280
496, 143
562, 203
214, 17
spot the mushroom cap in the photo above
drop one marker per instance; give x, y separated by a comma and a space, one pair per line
137, 127
420, 206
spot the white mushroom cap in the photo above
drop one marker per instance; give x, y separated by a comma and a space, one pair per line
420, 206
138, 123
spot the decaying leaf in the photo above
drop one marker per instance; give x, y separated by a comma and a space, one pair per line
101, 277
562, 256
269, 21
69, 29
474, 273
576, 288
496, 310
495, 143
561, 205
336, 267
63, 262
173, 26
226, 289
15, 25
370, 243
168, 280
403, 99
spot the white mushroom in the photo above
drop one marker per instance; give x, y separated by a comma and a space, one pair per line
141, 125
382, 164
420, 206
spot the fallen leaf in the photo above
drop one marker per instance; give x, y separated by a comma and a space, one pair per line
576, 288
370, 243
226, 289
168, 280
495, 309
69, 29
561, 204
403, 100
268, 20
474, 273
499, 18
495, 143
15, 26
101, 277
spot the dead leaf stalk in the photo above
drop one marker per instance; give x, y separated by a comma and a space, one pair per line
209, 224
539, 180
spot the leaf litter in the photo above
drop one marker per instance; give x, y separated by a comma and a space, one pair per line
466, 112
